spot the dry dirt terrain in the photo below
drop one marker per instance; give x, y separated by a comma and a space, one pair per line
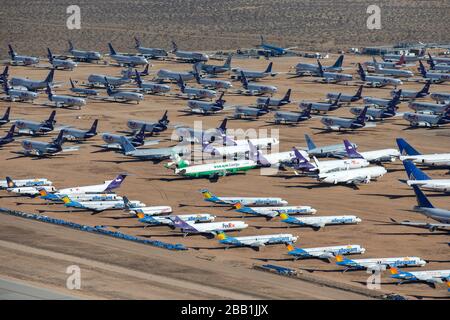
39, 253
212, 24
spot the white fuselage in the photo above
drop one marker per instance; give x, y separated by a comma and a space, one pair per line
438, 159
381, 155
353, 176
339, 165
219, 226
30, 191
27, 183
152, 210
442, 185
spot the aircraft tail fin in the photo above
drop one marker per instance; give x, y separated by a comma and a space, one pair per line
361, 72
223, 126
109, 90
351, 150
93, 129
59, 139
426, 88
320, 68
137, 42
244, 80
180, 83
309, 142
126, 202
49, 55
422, 69
287, 96
338, 98
339, 61
227, 63
111, 49
220, 101
11, 52
395, 100
402, 60
51, 120
66, 200
70, 45
49, 92
413, 172
431, 61
5, 74
422, 200
126, 145
180, 223
6, 115
10, 183
359, 92
116, 182
164, 119
145, 71
174, 47
138, 78
361, 118
290, 247
221, 235
284, 216
302, 163
140, 136
50, 75
405, 148
269, 68
71, 83
307, 112
207, 195
10, 133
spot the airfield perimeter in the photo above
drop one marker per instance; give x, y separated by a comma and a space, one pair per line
39, 253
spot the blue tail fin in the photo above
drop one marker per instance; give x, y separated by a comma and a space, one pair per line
269, 68
351, 150
413, 172
422, 69
145, 71
6, 115
11, 51
50, 75
10, 133
138, 78
140, 136
431, 61
361, 72
339, 62
59, 139
320, 68
227, 63
10, 183
309, 142
111, 49
359, 92
180, 83
49, 55
405, 148
361, 118
422, 200
51, 120
426, 88
5, 74
137, 42
287, 96
93, 129
223, 126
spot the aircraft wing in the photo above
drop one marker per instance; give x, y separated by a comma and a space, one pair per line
257, 244
424, 225
68, 149
357, 180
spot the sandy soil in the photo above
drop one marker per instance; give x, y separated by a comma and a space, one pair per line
151, 183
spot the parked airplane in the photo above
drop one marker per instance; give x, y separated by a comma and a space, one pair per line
99, 79
82, 91
214, 69
14, 95
126, 60
83, 55
130, 73
321, 106
292, 117
150, 52
427, 120
438, 59
434, 77
432, 277
420, 178
20, 59
60, 63
206, 107
309, 68
354, 176
164, 74
334, 77
409, 153
195, 93
188, 56
442, 97
251, 112
210, 83
443, 67
425, 207
113, 140
255, 242
106, 187
64, 101
28, 191
99, 206
194, 135
318, 223
394, 101
123, 96
379, 263
153, 127
34, 85
413, 94
35, 128
392, 72
272, 212
374, 114
377, 81
386, 64
302, 163
5, 74
80, 135
246, 201
435, 108
336, 123
152, 154
406, 57
324, 253
237, 148
167, 220
150, 87
207, 227
238, 73
57, 196
35, 182
9, 137
346, 97
275, 102
148, 211
335, 150
274, 50
40, 149
256, 89
382, 155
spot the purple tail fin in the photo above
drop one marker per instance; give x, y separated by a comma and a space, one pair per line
301, 162
180, 223
351, 151
116, 182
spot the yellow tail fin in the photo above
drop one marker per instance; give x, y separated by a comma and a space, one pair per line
221, 236
42, 192
339, 258
66, 199
140, 215
394, 270
289, 246
284, 216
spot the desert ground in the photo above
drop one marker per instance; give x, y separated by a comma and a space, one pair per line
212, 25
39, 253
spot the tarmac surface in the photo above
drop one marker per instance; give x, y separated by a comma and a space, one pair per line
117, 269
